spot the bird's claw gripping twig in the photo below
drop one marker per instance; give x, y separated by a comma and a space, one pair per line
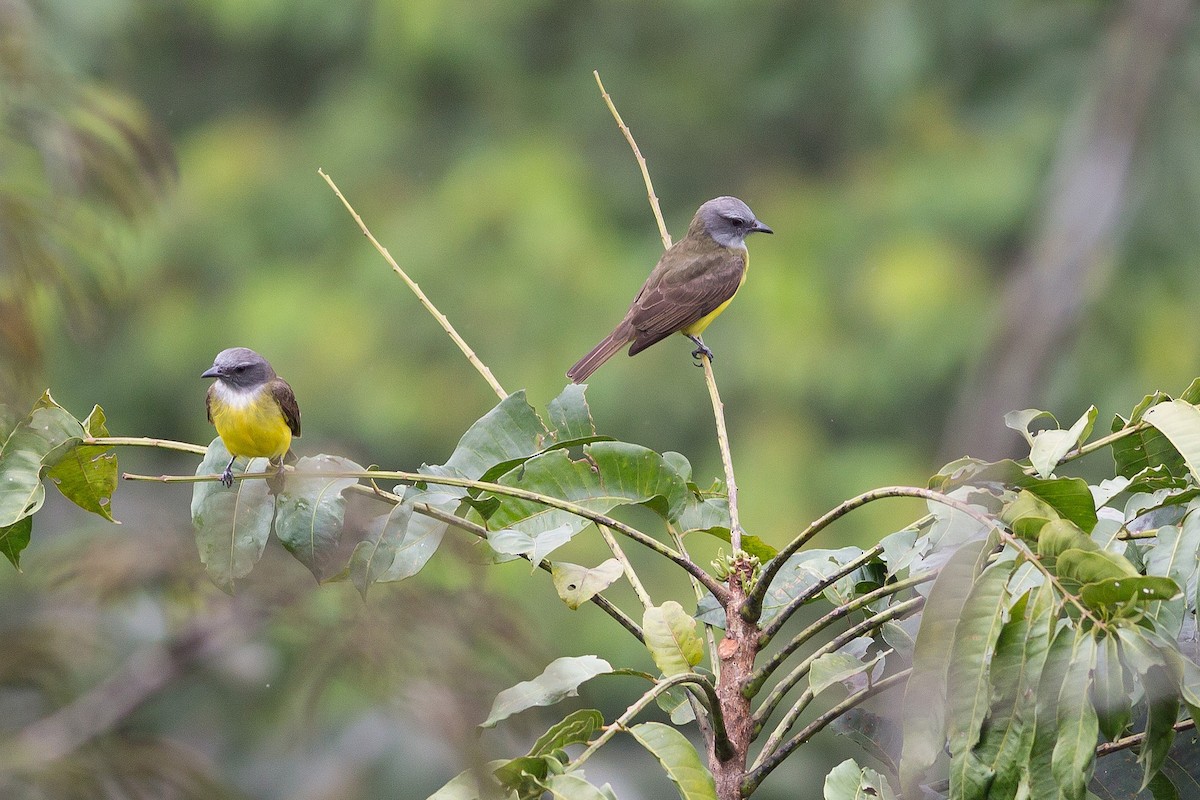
701, 350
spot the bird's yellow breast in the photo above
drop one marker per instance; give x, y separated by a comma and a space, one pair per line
697, 327
250, 423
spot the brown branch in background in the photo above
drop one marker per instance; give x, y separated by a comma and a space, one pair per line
147, 672
1079, 224
480, 367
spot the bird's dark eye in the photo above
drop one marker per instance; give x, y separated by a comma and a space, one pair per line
737, 221
240, 368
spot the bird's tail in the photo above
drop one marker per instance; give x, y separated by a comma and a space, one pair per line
602, 352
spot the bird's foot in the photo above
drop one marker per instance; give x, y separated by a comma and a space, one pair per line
227, 477
701, 350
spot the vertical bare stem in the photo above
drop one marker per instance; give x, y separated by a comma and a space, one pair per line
480, 367
662, 226
630, 575
735, 525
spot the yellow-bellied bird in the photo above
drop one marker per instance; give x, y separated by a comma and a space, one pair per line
692, 283
253, 409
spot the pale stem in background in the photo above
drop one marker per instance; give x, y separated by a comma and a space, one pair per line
480, 367
735, 528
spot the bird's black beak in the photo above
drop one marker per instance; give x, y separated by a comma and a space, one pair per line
760, 227
211, 372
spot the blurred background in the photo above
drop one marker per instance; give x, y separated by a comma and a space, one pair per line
979, 206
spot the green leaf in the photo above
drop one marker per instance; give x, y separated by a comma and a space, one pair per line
1107, 594
569, 415
1049, 447
848, 781
1090, 566
968, 694
1174, 555
576, 728
310, 510
1159, 682
465, 786
15, 538
680, 760
1179, 421
750, 543
421, 534
572, 786
524, 775
559, 680
1020, 421
510, 430
513, 542
87, 475
1039, 780
576, 585
232, 525
1145, 449
843, 666
1111, 687
609, 474
671, 638
373, 556
36, 444
1074, 752
925, 697
996, 765
675, 701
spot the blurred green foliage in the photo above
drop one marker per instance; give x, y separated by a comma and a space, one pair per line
901, 151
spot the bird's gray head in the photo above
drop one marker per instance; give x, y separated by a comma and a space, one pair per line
728, 221
241, 368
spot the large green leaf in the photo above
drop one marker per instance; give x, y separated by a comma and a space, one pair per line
996, 765
1145, 449
421, 534
1089, 566
1179, 421
968, 693
575, 728
232, 525
1111, 687
678, 758
1175, 554
1159, 680
559, 680
846, 665
848, 781
569, 415
1038, 779
1112, 594
1075, 750
87, 474
1048, 447
512, 429
573, 786
373, 556
608, 475
310, 510
1070, 497
15, 538
671, 638
576, 584
925, 697
36, 444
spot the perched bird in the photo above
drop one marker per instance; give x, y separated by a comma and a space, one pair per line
253, 409
692, 283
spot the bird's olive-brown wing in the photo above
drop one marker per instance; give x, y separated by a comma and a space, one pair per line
676, 297
287, 403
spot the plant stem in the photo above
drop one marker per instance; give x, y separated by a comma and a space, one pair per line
735, 525
637, 154
808, 594
756, 776
760, 675
1137, 738
602, 602
754, 603
720, 591
645, 700
839, 641
480, 367
145, 441
630, 575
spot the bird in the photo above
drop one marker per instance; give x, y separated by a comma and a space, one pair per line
692, 283
253, 409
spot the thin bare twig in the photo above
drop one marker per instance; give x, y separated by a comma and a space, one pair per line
480, 367
662, 226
